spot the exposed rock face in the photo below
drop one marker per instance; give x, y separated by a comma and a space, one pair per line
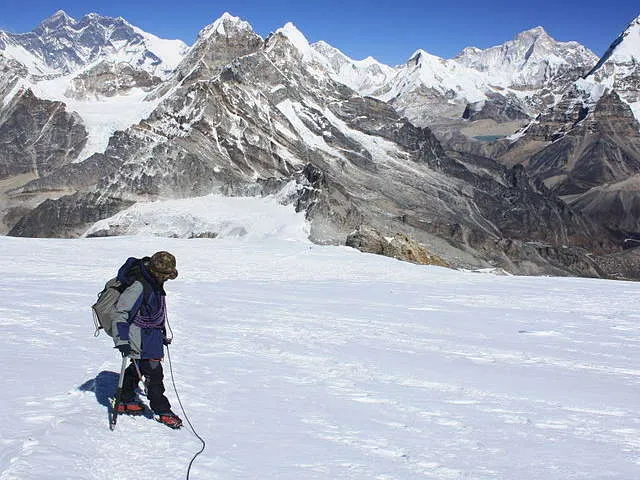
619, 67
62, 45
37, 136
245, 115
67, 216
559, 120
622, 265
108, 79
400, 246
219, 44
615, 205
587, 147
528, 257
601, 147
496, 107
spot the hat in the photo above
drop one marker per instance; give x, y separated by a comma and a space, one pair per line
164, 263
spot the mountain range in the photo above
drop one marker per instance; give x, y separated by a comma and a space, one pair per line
522, 156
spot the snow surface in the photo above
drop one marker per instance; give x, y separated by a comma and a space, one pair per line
299, 361
171, 52
101, 117
297, 38
218, 26
619, 64
227, 217
628, 50
33, 64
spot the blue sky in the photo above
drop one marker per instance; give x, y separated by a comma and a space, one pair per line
387, 30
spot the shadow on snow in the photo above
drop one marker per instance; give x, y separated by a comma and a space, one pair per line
104, 387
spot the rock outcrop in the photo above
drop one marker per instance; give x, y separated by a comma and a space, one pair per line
37, 136
400, 246
597, 148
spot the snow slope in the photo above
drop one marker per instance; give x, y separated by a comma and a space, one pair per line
61, 45
101, 117
617, 70
61, 49
298, 361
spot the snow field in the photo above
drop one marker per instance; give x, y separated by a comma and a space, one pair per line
300, 361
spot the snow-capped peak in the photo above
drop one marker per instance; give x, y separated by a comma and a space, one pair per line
425, 70
529, 60
61, 14
61, 45
365, 76
170, 51
330, 52
222, 25
618, 70
369, 61
56, 21
625, 48
533, 34
470, 51
297, 38
422, 57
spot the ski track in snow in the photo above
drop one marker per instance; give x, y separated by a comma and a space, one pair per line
297, 361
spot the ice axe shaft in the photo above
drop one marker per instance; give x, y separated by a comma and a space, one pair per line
118, 396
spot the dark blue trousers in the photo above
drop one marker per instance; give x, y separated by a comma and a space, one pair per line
153, 375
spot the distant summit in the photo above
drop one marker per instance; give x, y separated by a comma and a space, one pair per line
625, 49
60, 45
96, 114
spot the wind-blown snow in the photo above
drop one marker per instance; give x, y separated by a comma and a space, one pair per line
298, 361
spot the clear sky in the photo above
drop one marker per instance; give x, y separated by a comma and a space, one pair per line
387, 30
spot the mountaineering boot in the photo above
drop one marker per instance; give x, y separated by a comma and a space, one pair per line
130, 408
169, 419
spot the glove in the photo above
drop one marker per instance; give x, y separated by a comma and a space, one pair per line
125, 349
167, 341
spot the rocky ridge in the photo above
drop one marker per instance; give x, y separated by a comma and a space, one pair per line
525, 74
243, 115
61, 45
587, 146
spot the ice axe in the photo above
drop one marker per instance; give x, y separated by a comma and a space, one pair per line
118, 396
